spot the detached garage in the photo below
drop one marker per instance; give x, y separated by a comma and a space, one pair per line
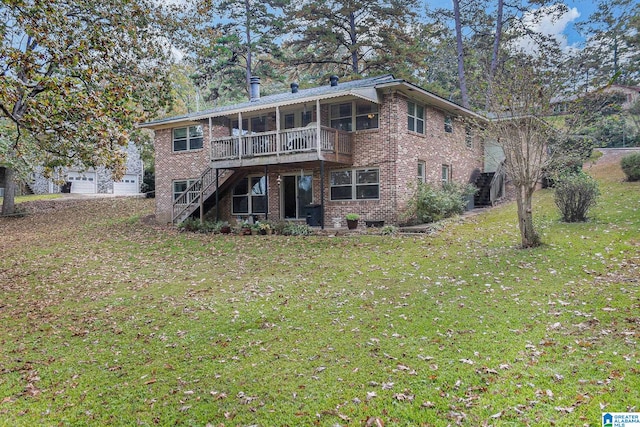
83, 182
128, 185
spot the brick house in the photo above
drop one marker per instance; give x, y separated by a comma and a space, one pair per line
346, 147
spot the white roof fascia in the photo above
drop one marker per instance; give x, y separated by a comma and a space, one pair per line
369, 94
436, 100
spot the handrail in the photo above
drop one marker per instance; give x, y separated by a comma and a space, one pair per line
497, 183
191, 196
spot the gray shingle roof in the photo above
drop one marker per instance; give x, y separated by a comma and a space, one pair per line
265, 101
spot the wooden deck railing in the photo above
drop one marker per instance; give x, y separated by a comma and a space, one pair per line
285, 142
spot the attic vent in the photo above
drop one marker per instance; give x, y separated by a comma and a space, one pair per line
294, 87
334, 80
255, 88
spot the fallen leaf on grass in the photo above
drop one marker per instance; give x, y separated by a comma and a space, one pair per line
374, 422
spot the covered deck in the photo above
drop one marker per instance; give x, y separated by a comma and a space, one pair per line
304, 144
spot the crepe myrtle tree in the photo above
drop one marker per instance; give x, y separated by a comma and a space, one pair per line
77, 75
519, 104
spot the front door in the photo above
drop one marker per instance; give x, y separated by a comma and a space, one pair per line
297, 193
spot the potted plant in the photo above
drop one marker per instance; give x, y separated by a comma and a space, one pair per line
352, 220
265, 228
245, 228
225, 228
255, 228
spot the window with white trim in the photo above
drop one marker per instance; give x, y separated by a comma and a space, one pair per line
366, 115
187, 138
249, 196
422, 171
180, 186
446, 174
355, 184
342, 115
415, 117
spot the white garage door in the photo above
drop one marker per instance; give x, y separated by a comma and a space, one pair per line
82, 182
128, 185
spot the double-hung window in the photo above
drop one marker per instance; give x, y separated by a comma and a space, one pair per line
468, 136
365, 117
355, 184
446, 174
415, 117
187, 138
249, 195
180, 186
341, 116
448, 124
422, 171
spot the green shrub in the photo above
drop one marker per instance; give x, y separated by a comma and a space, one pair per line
389, 230
631, 166
575, 194
295, 229
430, 204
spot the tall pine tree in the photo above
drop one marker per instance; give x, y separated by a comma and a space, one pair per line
354, 37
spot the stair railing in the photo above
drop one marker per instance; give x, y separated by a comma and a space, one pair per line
194, 195
496, 189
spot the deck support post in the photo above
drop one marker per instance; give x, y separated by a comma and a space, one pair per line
217, 195
266, 192
322, 194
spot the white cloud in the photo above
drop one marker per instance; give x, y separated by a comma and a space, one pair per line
548, 21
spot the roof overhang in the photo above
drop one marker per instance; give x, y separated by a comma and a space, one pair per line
369, 94
414, 91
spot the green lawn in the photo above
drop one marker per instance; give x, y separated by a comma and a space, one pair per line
106, 319
34, 197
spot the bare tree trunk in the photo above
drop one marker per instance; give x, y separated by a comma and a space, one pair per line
247, 7
9, 200
528, 236
460, 54
496, 50
354, 40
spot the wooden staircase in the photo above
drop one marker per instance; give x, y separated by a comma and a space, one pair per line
483, 196
195, 196
491, 186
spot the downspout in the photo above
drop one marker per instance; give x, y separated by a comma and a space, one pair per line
393, 147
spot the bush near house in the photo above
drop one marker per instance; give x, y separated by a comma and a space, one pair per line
631, 166
574, 195
430, 203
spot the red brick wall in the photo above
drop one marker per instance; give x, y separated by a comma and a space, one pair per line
172, 166
392, 149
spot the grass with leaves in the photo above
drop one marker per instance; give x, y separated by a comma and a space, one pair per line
106, 319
